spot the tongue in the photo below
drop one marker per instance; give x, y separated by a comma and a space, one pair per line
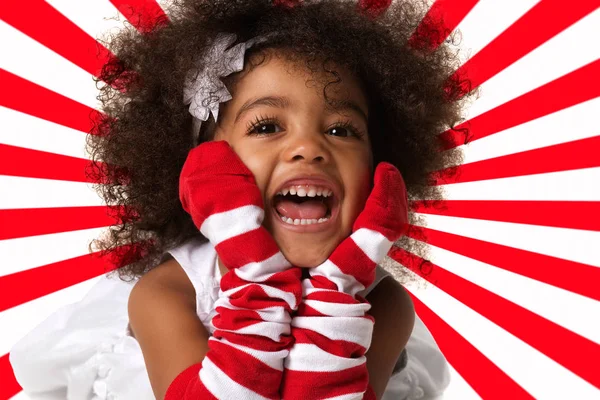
310, 209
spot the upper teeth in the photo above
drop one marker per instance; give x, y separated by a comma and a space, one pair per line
306, 190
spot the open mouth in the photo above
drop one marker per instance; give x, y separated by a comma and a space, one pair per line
304, 204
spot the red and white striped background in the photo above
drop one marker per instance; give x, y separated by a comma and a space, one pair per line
513, 298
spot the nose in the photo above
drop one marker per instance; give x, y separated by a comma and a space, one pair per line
307, 147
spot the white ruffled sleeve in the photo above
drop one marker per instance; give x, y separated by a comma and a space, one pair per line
426, 374
84, 351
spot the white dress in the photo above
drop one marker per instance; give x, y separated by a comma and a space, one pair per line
84, 350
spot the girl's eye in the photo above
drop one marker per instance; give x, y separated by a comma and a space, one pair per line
263, 126
345, 129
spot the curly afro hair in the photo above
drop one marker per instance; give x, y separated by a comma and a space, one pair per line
139, 147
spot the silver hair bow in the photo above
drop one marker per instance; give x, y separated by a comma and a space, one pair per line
203, 89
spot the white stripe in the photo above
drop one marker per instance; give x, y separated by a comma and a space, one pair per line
271, 330
49, 249
24, 130
226, 225
349, 396
309, 289
273, 359
263, 270
222, 386
565, 185
351, 329
339, 309
41, 193
272, 292
372, 243
268, 314
309, 357
344, 282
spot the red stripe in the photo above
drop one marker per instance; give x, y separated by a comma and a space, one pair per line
235, 320
254, 297
257, 342
544, 21
9, 386
17, 94
489, 381
441, 19
340, 348
30, 163
308, 311
351, 260
568, 156
303, 385
557, 214
245, 369
581, 278
254, 246
515, 319
26, 222
144, 15
24, 286
571, 89
322, 282
332, 297
44, 24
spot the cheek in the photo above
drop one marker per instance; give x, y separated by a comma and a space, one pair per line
259, 164
358, 188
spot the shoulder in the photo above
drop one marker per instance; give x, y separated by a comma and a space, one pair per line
162, 288
163, 319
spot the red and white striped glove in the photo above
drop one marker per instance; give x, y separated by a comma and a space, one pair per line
331, 330
258, 294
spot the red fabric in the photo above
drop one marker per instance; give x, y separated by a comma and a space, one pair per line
215, 181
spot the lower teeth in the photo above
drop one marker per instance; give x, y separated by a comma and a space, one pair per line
303, 221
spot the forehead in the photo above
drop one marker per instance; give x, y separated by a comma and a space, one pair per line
276, 72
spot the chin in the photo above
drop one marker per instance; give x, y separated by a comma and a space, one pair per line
304, 261
305, 253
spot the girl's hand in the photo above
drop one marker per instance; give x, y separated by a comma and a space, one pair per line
383, 221
257, 296
351, 266
214, 180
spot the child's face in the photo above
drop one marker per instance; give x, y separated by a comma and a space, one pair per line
302, 142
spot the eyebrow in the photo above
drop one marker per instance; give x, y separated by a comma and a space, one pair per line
284, 102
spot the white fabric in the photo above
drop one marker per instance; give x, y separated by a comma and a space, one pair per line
83, 351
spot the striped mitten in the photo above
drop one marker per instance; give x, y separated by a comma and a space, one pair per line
252, 336
331, 328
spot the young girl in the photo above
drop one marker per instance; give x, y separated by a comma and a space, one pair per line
255, 148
